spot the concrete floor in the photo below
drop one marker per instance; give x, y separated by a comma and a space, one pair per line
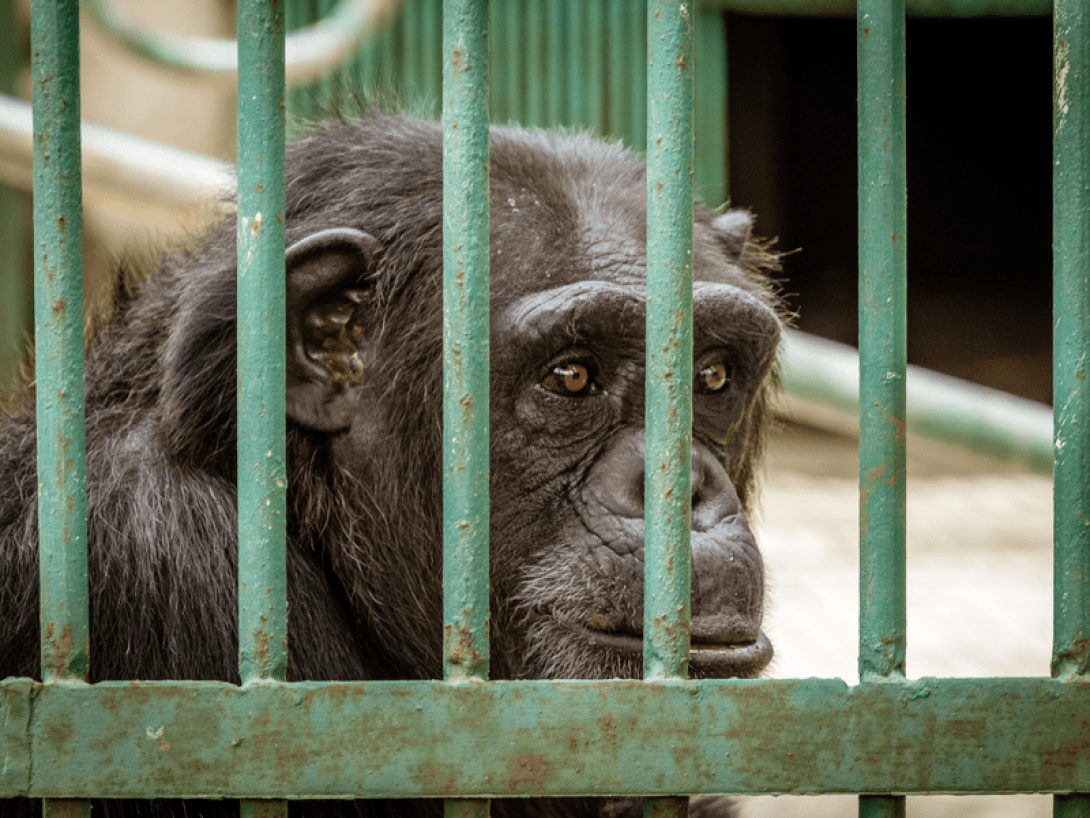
979, 582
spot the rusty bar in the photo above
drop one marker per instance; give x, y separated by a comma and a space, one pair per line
465, 340
465, 352
882, 338
58, 364
262, 459
262, 473
668, 470
58, 315
882, 345
542, 738
668, 459
1071, 348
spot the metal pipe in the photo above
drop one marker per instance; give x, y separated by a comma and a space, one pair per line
310, 53
882, 338
821, 381
465, 340
58, 364
1071, 398
466, 358
262, 462
668, 459
117, 165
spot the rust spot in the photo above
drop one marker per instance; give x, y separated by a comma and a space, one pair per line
866, 32
1081, 375
433, 775
456, 58
609, 727
658, 186
895, 237
60, 307
261, 646
62, 223
681, 61
259, 187
527, 771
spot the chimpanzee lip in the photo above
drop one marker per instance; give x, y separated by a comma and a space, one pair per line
718, 659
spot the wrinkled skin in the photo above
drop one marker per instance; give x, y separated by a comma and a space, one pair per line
364, 234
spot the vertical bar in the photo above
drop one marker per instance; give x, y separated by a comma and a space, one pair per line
556, 93
431, 57
58, 364
262, 471
710, 105
534, 70
668, 470
579, 61
668, 463
262, 475
17, 305
882, 334
58, 314
465, 352
620, 115
503, 75
636, 50
1071, 345
595, 44
514, 45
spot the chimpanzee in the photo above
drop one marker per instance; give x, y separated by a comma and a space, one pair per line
364, 381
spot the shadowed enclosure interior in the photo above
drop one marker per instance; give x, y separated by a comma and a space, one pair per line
469, 739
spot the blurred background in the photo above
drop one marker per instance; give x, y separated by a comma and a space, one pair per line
775, 132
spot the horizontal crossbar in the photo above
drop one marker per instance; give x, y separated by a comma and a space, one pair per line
511, 739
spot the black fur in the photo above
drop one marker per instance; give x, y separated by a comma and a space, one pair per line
364, 554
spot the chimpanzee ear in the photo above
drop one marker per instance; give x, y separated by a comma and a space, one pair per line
327, 286
734, 228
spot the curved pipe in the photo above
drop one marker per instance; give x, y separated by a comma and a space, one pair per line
309, 52
821, 379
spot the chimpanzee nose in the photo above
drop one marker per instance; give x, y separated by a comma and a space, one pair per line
617, 482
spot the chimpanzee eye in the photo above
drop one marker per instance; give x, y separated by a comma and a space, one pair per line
570, 379
714, 377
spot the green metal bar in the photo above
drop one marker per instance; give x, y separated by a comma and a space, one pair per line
882, 344
1071, 266
635, 46
536, 112
1071, 349
616, 68
537, 738
578, 61
262, 473
710, 105
17, 305
512, 45
58, 363
465, 352
58, 312
431, 28
465, 339
882, 338
596, 75
915, 8
555, 76
668, 469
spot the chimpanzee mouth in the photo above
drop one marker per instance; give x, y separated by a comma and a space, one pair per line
716, 660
